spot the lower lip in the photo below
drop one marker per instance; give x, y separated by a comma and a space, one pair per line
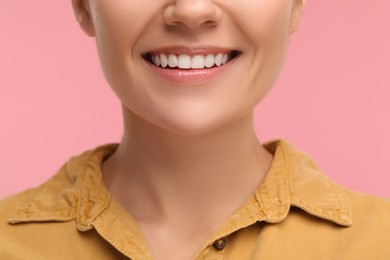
190, 76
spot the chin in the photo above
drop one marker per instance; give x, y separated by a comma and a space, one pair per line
189, 130
185, 119
190, 127
199, 124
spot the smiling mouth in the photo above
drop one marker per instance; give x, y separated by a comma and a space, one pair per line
188, 62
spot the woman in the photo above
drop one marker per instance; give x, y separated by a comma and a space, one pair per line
190, 179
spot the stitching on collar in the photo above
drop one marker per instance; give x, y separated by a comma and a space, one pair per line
273, 193
91, 204
281, 179
28, 209
86, 203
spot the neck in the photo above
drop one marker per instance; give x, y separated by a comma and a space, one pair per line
156, 172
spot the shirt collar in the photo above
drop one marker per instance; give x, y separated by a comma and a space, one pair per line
77, 191
295, 180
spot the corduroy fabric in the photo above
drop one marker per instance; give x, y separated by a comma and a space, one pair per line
296, 213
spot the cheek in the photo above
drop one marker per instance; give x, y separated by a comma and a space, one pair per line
113, 33
266, 27
118, 26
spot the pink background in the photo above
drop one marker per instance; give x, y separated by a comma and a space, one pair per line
332, 100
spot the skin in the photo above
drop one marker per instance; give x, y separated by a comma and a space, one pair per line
187, 150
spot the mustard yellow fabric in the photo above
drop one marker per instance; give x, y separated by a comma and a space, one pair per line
296, 213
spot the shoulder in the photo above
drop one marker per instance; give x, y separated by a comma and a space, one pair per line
11, 238
369, 233
9, 203
370, 211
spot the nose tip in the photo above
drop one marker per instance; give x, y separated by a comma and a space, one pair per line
193, 14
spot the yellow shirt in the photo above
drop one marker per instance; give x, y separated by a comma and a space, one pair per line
296, 213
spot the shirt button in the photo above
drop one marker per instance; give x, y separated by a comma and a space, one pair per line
220, 244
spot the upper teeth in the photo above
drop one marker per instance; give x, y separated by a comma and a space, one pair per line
184, 61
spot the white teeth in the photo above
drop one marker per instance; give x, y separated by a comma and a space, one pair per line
157, 61
218, 59
172, 61
198, 62
184, 61
209, 61
164, 60
225, 58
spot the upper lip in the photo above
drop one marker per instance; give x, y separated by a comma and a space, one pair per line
190, 50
